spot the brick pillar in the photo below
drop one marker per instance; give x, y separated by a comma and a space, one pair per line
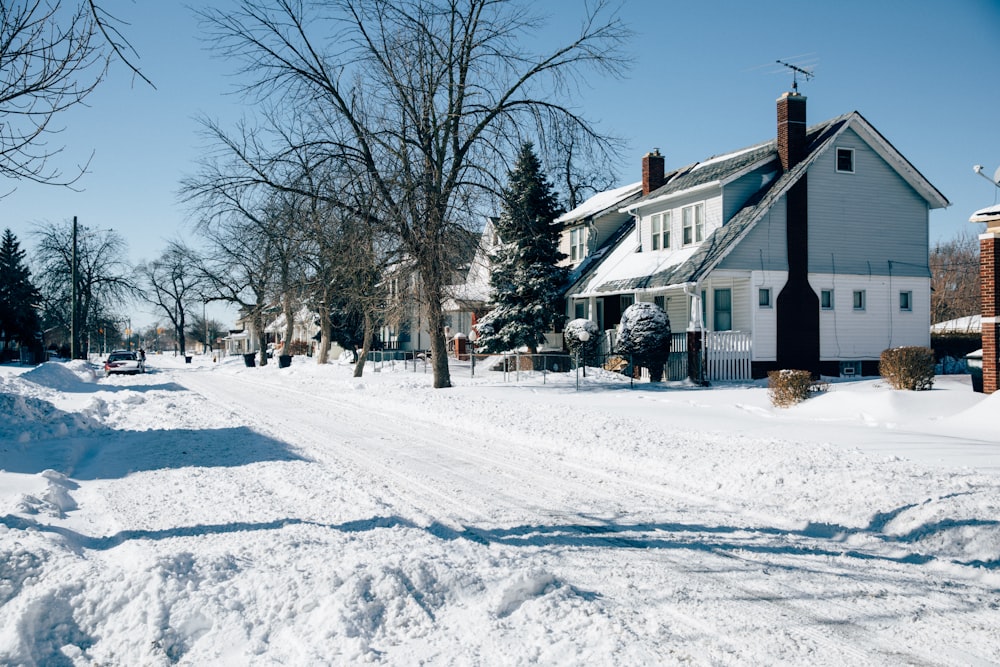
989, 263
694, 357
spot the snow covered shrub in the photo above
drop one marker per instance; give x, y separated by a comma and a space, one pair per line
575, 334
788, 387
908, 367
644, 334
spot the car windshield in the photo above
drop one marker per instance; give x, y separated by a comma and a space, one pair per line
121, 356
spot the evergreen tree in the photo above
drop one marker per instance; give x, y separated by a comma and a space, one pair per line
18, 296
526, 285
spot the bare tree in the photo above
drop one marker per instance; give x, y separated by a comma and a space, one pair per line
954, 268
103, 277
52, 56
578, 165
423, 99
173, 284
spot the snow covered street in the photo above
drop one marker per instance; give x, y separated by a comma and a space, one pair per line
213, 514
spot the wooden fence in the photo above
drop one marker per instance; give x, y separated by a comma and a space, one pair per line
727, 355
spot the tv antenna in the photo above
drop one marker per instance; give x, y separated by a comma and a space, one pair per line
796, 70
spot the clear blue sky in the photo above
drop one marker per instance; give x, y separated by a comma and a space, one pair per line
924, 73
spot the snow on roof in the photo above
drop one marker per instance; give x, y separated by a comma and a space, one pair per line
624, 263
986, 214
968, 324
600, 202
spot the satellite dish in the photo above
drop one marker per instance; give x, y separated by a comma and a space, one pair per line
978, 168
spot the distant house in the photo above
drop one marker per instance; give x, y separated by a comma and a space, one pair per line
808, 251
971, 324
469, 300
406, 327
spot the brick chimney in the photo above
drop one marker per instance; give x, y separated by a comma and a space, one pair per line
791, 129
652, 171
797, 306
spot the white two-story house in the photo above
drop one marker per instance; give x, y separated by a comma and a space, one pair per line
813, 245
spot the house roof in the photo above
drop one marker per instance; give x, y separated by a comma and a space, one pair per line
628, 270
968, 324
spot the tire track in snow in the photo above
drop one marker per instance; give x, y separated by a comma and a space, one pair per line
425, 448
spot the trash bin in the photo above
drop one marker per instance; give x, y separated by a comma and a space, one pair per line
187, 360
284, 360
250, 360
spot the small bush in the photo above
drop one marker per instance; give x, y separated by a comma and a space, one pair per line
788, 387
576, 331
908, 367
298, 347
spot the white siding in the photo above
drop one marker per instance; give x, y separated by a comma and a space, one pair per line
763, 248
765, 320
712, 219
851, 334
742, 309
861, 222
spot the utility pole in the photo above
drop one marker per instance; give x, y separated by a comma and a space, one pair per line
73, 333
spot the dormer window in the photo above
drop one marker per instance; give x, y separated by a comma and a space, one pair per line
577, 244
693, 223
845, 160
660, 224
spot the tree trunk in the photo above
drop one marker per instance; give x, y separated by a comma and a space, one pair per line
289, 324
439, 346
324, 335
258, 323
369, 335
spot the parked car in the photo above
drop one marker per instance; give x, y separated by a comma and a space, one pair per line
124, 361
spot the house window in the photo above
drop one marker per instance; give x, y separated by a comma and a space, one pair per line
723, 310
845, 160
693, 223
826, 299
577, 239
580, 310
764, 297
906, 301
660, 301
859, 299
626, 301
661, 230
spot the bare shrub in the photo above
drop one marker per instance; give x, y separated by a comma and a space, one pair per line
788, 387
908, 367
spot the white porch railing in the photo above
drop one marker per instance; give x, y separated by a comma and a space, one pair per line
727, 355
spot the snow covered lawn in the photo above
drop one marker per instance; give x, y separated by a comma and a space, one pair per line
213, 514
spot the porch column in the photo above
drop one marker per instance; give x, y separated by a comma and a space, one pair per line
694, 335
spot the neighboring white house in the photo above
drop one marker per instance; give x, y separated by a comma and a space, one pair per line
588, 227
814, 245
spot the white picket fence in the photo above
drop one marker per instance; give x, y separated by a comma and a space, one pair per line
727, 355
